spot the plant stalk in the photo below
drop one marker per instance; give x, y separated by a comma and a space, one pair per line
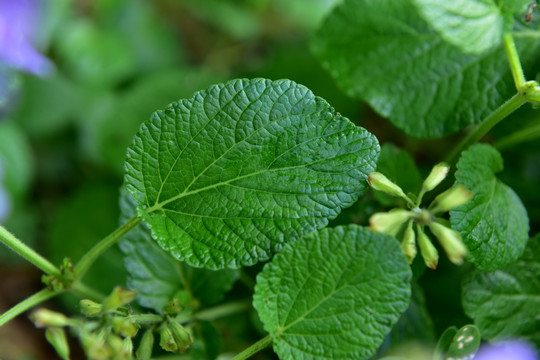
28, 253
86, 262
26, 304
222, 310
255, 348
513, 59
481, 129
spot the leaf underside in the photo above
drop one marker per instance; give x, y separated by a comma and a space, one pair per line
494, 223
334, 294
225, 178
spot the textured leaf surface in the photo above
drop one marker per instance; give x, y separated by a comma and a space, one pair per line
472, 25
225, 178
504, 303
157, 276
384, 52
494, 223
334, 294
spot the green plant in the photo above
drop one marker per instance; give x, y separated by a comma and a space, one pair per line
252, 171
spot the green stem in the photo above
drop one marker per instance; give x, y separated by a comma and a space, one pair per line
513, 59
481, 129
28, 253
222, 310
86, 292
146, 318
253, 349
528, 134
86, 262
26, 304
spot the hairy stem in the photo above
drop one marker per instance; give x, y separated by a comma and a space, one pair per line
481, 129
258, 346
513, 59
86, 262
26, 304
28, 253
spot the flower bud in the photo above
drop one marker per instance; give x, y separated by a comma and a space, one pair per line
57, 338
182, 337
127, 347
437, 174
427, 249
408, 243
90, 308
450, 241
173, 307
118, 297
48, 318
95, 346
381, 183
166, 340
451, 199
124, 327
390, 222
145, 347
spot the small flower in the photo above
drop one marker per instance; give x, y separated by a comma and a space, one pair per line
48, 318
166, 340
118, 297
451, 198
427, 249
380, 182
390, 222
144, 350
513, 349
90, 308
181, 336
57, 338
450, 241
408, 244
435, 177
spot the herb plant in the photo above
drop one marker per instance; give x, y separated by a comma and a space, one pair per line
252, 184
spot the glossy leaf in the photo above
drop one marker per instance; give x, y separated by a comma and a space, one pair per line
225, 178
334, 294
384, 52
504, 303
494, 223
471, 25
157, 276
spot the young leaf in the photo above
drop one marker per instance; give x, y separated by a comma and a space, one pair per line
494, 223
157, 276
334, 294
474, 26
225, 178
382, 51
504, 303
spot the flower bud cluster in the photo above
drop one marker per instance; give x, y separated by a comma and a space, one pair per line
409, 225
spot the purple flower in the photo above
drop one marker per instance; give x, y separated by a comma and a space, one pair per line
513, 349
18, 24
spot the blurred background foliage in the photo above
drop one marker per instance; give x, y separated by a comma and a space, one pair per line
63, 136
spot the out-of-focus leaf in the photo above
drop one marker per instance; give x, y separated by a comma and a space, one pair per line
17, 161
504, 303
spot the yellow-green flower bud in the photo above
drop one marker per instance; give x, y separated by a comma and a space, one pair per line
451, 199
166, 340
48, 318
436, 176
145, 347
408, 243
427, 249
95, 346
127, 347
381, 183
450, 241
118, 297
389, 222
57, 338
173, 307
124, 327
182, 337
90, 308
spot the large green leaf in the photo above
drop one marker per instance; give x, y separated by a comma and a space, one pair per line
334, 294
494, 223
384, 52
225, 178
157, 276
505, 303
472, 25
